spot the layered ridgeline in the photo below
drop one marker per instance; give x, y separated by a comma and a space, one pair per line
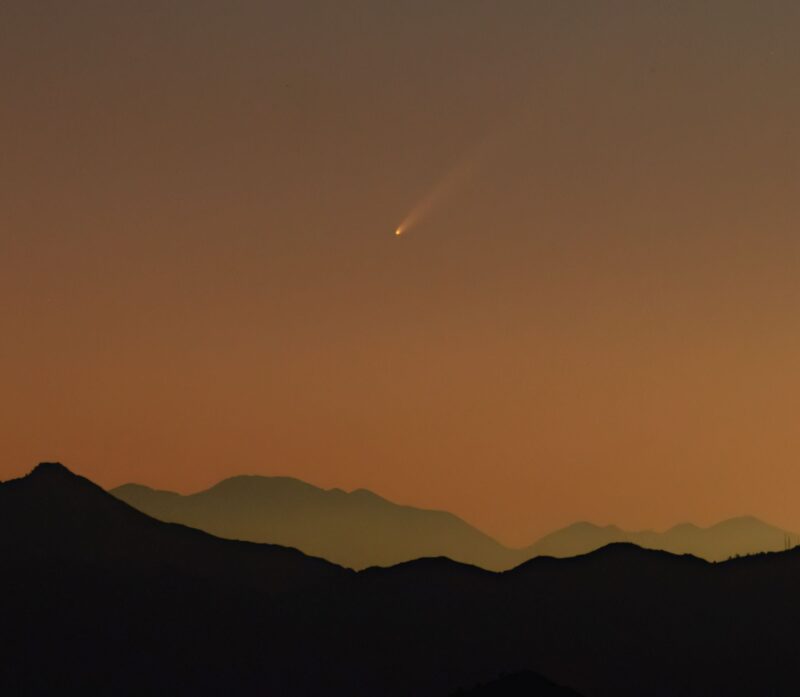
733, 537
360, 529
55, 514
98, 598
355, 529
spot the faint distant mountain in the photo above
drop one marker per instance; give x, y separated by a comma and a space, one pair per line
736, 536
360, 529
355, 529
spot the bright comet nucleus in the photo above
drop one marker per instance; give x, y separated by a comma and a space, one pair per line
441, 189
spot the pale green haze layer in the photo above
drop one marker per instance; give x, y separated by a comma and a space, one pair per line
360, 529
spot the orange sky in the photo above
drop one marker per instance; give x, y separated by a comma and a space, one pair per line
199, 277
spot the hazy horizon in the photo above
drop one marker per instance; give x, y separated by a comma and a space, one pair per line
573, 524
591, 313
577, 521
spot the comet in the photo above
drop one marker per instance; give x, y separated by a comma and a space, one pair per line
440, 190
463, 169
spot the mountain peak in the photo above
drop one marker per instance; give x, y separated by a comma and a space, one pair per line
50, 470
742, 525
58, 481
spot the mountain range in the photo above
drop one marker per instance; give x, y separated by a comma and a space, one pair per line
99, 598
360, 529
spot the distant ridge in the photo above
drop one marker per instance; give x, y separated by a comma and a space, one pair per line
355, 529
360, 529
728, 538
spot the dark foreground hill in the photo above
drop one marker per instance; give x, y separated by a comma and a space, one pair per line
524, 684
96, 598
360, 529
53, 514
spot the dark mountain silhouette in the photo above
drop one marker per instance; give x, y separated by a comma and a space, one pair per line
53, 513
524, 684
356, 529
360, 529
96, 598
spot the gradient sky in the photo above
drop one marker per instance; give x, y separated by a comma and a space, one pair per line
599, 320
